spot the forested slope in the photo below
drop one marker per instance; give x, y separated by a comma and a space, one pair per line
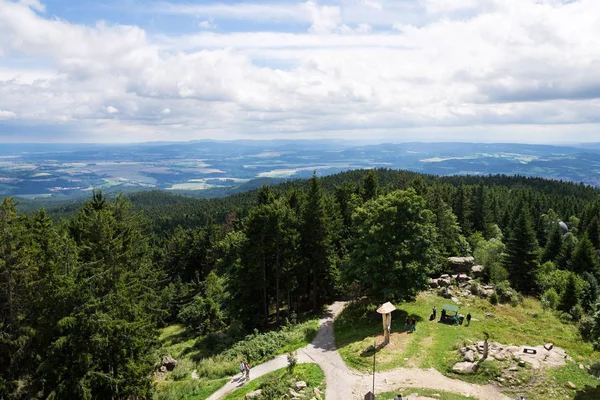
92, 288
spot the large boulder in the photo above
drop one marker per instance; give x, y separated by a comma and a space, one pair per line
460, 264
463, 278
433, 283
445, 293
169, 363
477, 271
464, 368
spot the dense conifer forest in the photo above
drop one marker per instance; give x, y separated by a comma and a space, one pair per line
84, 290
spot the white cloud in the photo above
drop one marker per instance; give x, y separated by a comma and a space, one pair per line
206, 24
512, 65
5, 114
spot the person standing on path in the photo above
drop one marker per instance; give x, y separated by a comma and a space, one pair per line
242, 368
468, 319
247, 371
434, 310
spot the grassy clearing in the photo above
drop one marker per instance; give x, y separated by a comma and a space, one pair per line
202, 354
309, 373
435, 344
423, 392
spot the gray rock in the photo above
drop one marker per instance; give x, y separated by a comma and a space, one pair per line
253, 395
294, 394
477, 270
463, 367
300, 385
433, 283
571, 385
469, 356
522, 364
454, 299
162, 368
548, 346
461, 264
169, 362
317, 393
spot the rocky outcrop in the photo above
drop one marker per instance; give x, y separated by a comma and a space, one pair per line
460, 264
169, 363
464, 368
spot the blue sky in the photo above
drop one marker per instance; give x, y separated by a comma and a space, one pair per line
384, 70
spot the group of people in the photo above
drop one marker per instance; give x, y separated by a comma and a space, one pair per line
245, 369
410, 324
457, 319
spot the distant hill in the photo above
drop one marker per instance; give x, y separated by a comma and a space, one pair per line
63, 173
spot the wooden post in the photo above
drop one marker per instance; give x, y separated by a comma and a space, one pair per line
386, 315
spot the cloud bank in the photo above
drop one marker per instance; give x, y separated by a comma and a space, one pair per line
485, 70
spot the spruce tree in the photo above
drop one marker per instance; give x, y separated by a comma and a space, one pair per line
593, 232
521, 259
583, 259
462, 209
569, 297
370, 185
553, 244
315, 245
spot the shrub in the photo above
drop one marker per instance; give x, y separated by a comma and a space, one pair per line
506, 294
494, 299
550, 299
586, 326
475, 288
274, 387
577, 312
292, 360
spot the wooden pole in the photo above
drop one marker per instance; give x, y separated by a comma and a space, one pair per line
374, 353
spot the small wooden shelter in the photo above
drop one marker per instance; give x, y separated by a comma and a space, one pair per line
386, 312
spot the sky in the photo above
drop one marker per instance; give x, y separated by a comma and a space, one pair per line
378, 70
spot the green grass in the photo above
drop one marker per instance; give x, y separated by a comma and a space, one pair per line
189, 389
312, 374
197, 353
441, 395
434, 345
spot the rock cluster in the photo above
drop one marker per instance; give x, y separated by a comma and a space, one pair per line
538, 357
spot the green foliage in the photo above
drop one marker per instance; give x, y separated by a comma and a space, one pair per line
394, 249
550, 299
570, 295
292, 359
494, 299
583, 259
490, 254
521, 259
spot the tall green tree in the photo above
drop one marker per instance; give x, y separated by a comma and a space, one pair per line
449, 234
583, 259
17, 269
521, 256
316, 248
110, 334
370, 185
553, 243
395, 247
462, 209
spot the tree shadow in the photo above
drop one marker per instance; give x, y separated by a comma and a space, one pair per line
588, 393
360, 320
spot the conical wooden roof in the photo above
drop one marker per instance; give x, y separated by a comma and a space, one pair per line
386, 308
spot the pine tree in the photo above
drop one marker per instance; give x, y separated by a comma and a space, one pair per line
370, 185
583, 259
315, 245
593, 232
462, 209
480, 211
569, 297
553, 244
521, 258
17, 268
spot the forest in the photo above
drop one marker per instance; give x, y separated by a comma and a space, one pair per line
85, 289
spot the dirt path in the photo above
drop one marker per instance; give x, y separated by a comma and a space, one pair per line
344, 383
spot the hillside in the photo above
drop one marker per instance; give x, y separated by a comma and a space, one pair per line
245, 277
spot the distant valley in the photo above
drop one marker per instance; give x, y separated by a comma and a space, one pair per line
214, 169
